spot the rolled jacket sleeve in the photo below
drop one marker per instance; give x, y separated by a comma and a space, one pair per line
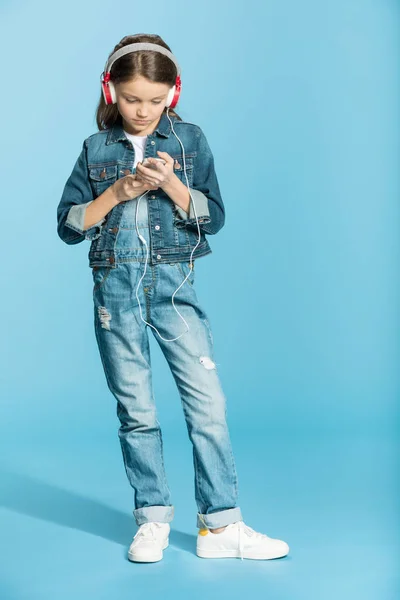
205, 193
76, 218
201, 203
76, 196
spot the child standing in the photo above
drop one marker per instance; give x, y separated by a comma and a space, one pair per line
137, 211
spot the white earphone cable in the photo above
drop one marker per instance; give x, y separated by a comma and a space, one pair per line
147, 251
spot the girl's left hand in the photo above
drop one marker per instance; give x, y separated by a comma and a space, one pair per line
159, 176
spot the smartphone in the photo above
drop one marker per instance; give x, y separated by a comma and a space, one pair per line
148, 164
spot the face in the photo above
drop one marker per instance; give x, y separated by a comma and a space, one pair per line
141, 99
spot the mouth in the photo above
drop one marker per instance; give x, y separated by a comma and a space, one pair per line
141, 122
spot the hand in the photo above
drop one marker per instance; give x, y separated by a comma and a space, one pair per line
130, 187
159, 176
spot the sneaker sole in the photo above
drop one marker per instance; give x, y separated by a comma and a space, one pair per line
155, 558
235, 554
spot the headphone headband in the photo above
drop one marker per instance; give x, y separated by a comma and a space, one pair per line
135, 47
107, 85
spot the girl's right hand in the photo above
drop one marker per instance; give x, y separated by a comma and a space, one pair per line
130, 187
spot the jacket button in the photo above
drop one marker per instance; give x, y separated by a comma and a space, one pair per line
111, 259
158, 256
126, 172
114, 229
152, 142
103, 173
153, 197
157, 227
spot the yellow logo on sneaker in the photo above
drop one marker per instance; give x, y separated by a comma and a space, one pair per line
203, 531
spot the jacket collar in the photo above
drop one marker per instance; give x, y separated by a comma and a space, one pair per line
116, 133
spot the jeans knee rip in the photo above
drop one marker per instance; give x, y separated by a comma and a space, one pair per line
207, 362
104, 316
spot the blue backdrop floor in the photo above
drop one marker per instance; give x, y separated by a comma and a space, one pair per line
66, 520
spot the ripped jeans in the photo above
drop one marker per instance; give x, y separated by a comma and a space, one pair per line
123, 343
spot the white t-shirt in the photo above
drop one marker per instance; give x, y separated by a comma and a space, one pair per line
129, 212
139, 143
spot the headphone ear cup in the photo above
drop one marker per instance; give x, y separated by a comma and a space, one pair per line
170, 96
109, 94
103, 89
174, 93
112, 92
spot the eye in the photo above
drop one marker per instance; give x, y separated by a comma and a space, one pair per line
132, 101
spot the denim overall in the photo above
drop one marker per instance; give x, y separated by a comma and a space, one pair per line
124, 349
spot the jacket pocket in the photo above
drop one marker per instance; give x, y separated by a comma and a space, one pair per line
180, 171
102, 176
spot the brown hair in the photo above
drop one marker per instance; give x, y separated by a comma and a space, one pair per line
153, 65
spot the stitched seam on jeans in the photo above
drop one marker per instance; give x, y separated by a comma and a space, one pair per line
97, 286
184, 274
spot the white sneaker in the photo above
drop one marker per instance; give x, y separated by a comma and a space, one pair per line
149, 542
239, 540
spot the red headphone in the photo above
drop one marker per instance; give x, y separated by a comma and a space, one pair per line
108, 87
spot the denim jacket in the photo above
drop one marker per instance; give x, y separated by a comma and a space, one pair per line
109, 155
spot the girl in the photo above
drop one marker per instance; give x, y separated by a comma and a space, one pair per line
136, 211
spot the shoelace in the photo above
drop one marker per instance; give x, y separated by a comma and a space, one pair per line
147, 528
246, 530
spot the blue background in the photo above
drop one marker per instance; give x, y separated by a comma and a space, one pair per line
300, 104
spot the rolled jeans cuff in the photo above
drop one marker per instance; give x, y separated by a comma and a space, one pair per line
219, 519
147, 514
